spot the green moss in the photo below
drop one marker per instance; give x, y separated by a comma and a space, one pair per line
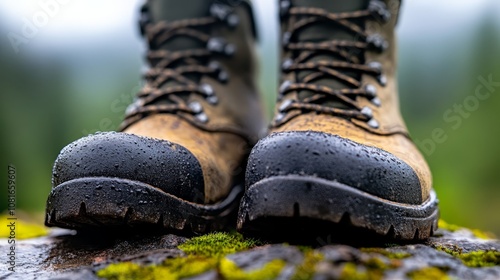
428, 273
204, 253
387, 253
230, 271
171, 269
303, 248
371, 269
351, 271
189, 266
478, 233
376, 264
481, 258
449, 227
475, 258
451, 249
482, 234
179, 268
217, 244
24, 230
306, 270
122, 271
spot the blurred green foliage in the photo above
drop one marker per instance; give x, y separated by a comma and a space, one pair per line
42, 109
466, 165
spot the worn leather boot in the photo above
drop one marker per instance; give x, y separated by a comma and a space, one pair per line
339, 153
181, 152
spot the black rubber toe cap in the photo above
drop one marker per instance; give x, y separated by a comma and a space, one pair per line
162, 164
330, 157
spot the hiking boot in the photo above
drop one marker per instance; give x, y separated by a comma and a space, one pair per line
339, 153
179, 160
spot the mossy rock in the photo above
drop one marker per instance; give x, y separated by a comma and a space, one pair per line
453, 253
217, 244
479, 258
427, 273
203, 254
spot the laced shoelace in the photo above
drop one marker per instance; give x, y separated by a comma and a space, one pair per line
302, 53
178, 66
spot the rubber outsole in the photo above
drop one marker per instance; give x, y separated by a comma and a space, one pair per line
113, 204
277, 204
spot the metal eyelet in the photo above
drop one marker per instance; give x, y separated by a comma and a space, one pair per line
284, 8
285, 86
287, 36
144, 19
373, 123
379, 10
224, 13
382, 80
207, 90
376, 101
279, 117
233, 20
222, 76
202, 117
213, 100
367, 112
287, 64
214, 66
229, 50
195, 107
216, 45
377, 42
209, 93
371, 92
377, 67
132, 108
219, 45
284, 106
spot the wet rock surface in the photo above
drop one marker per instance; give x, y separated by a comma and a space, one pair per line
67, 255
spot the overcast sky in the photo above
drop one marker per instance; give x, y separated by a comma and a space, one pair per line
83, 32
80, 20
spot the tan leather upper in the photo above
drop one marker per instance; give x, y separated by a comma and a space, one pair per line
219, 154
234, 124
391, 135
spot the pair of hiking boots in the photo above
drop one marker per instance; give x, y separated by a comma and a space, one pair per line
193, 149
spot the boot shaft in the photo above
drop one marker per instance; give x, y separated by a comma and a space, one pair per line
340, 58
201, 57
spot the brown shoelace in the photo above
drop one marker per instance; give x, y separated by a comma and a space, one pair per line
178, 66
346, 50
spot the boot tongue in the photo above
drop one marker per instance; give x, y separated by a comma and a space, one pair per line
174, 10
333, 6
328, 31
322, 32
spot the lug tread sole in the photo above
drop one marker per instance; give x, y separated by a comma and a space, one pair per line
117, 204
281, 201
